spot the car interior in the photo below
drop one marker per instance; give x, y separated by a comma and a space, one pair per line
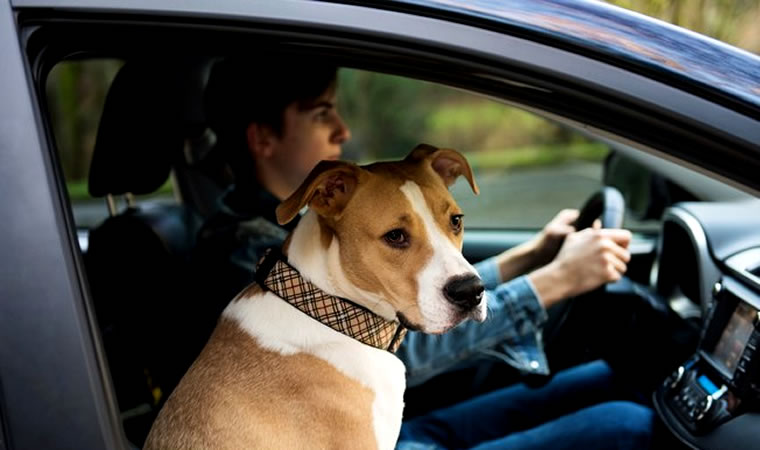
138, 258
692, 291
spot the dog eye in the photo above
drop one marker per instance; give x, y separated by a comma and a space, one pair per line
456, 222
397, 238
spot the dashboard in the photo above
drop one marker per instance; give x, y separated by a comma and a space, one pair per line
700, 242
708, 271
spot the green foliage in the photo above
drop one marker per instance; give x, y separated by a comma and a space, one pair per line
78, 191
385, 112
537, 155
477, 125
76, 91
732, 21
389, 115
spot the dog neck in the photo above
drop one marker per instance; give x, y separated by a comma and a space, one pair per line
277, 276
319, 262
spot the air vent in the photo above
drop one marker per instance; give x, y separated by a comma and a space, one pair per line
747, 264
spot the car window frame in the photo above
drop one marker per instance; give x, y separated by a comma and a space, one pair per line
53, 379
492, 59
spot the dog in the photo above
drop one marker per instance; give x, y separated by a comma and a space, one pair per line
302, 358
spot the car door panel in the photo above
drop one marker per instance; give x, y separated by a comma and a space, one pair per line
50, 376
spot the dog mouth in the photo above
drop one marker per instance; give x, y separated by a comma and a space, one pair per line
457, 318
407, 323
477, 313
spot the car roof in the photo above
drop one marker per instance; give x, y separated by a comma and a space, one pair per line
617, 35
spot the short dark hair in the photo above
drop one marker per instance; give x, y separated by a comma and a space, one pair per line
257, 88
243, 90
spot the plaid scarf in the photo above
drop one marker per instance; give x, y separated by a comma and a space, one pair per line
344, 316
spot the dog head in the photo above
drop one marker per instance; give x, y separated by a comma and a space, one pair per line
389, 236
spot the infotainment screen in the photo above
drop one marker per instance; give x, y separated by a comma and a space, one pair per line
734, 337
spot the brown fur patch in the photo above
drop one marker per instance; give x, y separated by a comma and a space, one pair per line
368, 261
249, 291
239, 395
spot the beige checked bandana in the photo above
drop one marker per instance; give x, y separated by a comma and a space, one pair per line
343, 316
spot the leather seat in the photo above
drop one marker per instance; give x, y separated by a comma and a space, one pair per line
138, 260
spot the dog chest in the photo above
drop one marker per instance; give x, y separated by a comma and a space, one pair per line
272, 377
280, 328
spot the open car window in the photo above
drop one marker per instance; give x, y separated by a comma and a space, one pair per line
76, 93
528, 167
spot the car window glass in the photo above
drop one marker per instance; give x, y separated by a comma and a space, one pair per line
528, 168
76, 93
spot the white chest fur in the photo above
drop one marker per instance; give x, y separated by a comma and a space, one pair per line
279, 327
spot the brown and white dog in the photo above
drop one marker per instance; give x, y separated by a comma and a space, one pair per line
387, 236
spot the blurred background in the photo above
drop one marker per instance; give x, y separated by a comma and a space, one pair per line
389, 115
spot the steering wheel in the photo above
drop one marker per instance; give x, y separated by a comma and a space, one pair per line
608, 206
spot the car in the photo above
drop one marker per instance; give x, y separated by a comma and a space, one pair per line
92, 297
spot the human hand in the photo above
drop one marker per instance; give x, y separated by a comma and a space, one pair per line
550, 239
587, 259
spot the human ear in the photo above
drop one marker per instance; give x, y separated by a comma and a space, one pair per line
260, 139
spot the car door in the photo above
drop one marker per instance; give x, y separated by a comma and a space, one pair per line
55, 393
55, 388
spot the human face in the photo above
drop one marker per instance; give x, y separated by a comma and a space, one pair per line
310, 133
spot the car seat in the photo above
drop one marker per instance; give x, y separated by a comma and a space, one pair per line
138, 259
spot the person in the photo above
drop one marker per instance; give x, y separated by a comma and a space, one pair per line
274, 124
271, 137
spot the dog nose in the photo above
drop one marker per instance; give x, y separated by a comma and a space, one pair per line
464, 291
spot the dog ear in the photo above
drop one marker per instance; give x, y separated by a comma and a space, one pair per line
326, 190
447, 163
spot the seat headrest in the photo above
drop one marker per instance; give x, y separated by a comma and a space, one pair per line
151, 107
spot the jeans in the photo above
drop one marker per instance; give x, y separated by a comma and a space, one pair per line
580, 408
